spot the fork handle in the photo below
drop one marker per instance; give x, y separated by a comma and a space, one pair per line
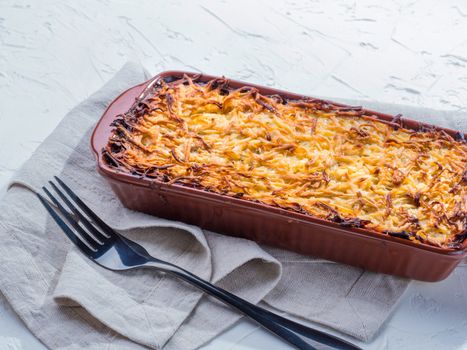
300, 336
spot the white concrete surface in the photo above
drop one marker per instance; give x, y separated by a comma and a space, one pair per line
53, 54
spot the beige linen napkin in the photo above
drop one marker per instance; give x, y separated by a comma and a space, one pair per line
69, 303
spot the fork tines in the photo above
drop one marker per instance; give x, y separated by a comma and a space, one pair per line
80, 224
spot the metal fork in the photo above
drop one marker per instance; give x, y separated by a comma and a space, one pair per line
109, 249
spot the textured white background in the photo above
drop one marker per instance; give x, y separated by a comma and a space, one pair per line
53, 54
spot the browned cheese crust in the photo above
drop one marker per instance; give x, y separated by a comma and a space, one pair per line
310, 156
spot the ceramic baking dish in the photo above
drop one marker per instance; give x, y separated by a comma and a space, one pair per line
266, 224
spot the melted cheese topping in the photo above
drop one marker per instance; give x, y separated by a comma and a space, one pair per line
309, 156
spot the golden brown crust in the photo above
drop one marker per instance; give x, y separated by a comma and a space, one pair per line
309, 156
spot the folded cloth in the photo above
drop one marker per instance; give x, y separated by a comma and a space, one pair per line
70, 303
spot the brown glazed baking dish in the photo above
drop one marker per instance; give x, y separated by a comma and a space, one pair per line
266, 224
